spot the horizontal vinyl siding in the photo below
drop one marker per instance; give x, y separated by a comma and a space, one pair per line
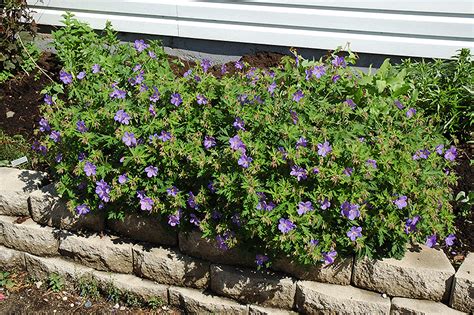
408, 28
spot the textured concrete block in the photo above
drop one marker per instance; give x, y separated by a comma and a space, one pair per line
28, 236
101, 253
325, 298
169, 266
462, 295
251, 286
424, 274
260, 310
11, 259
403, 306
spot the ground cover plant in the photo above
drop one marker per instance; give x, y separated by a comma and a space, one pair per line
309, 159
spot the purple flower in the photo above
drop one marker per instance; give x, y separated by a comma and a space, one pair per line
187, 73
329, 257
325, 204
164, 136
260, 259
44, 125
371, 163
65, 77
319, 71
205, 64
193, 219
294, 116
350, 211
239, 124
283, 152
129, 139
140, 45
81, 156
173, 191
285, 225
55, 136
398, 104
221, 243
272, 87
122, 117
95, 68
410, 224
244, 160
58, 158
239, 65
243, 99
309, 74
401, 202
192, 201
146, 203
297, 96
431, 240
174, 219
237, 144
411, 112
197, 78
335, 78
348, 171
81, 126
315, 170
209, 142
324, 148
81, 75
211, 187
176, 99
152, 111
82, 209
302, 142
48, 99
155, 96
450, 154
439, 149
449, 240
151, 171
299, 172
201, 100
304, 206
118, 94
137, 67
102, 189
122, 179
339, 62
223, 69
354, 233
351, 103
236, 219
151, 54
90, 169
421, 154
313, 242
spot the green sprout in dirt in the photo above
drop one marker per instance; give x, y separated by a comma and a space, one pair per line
6, 280
55, 282
88, 286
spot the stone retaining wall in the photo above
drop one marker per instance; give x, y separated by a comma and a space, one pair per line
151, 260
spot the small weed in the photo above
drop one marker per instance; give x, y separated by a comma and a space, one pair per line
55, 282
5, 280
88, 287
113, 293
155, 302
131, 299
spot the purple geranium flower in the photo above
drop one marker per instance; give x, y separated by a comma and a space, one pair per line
173, 191
315, 170
410, 224
339, 62
81, 156
451, 154
55, 136
48, 99
176, 99
304, 206
140, 45
301, 142
151, 54
164, 136
122, 179
297, 96
421, 154
244, 160
313, 242
102, 189
211, 187
205, 64
401, 202
351, 103
239, 65
299, 172
271, 88
348, 171
324, 148
152, 111
285, 225
439, 149
221, 242
58, 158
239, 124
398, 104
329, 257
449, 240
155, 96
187, 73
260, 259
174, 219
209, 142
354, 233
350, 211
90, 169
325, 204
335, 78
319, 71
237, 144
192, 201
151, 171
129, 139
201, 100
81, 126
431, 240
82, 209
44, 125
371, 163
95, 68
65, 77
122, 117
294, 116
193, 219
411, 112
146, 203
223, 69
117, 93
81, 75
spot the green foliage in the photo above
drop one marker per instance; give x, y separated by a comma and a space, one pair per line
5, 280
113, 293
55, 282
88, 287
14, 147
444, 90
242, 194
17, 29
155, 302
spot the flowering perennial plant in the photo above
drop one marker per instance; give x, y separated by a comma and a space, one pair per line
284, 161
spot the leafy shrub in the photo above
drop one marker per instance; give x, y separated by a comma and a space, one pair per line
444, 90
310, 159
17, 29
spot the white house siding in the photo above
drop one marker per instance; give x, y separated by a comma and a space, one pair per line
422, 28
